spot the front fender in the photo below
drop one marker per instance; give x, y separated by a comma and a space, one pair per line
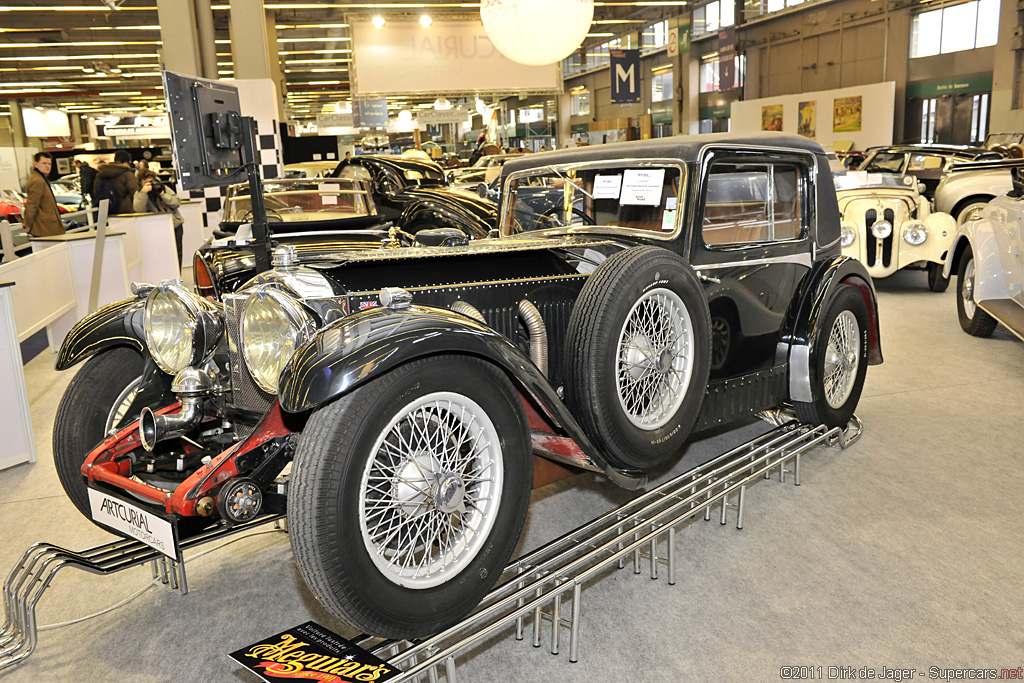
116, 324
367, 345
817, 291
989, 272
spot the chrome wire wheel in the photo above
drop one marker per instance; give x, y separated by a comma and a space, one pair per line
654, 359
431, 489
967, 290
119, 410
842, 358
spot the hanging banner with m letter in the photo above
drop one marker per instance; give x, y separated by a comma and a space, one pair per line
625, 66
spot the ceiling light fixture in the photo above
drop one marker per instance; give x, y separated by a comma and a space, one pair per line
378, 21
426, 21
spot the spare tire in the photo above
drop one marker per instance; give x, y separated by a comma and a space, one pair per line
639, 348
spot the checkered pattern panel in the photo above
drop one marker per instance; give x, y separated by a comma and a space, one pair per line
268, 149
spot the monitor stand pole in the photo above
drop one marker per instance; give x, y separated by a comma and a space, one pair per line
260, 233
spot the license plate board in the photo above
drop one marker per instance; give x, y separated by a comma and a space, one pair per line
131, 520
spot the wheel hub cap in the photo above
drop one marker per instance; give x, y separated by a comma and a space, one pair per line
451, 493
415, 483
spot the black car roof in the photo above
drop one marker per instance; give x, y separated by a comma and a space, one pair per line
685, 148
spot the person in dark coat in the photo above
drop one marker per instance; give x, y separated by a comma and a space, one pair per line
41, 217
86, 177
122, 176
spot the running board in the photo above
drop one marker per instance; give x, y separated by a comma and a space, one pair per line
539, 584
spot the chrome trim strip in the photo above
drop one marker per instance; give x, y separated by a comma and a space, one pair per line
800, 259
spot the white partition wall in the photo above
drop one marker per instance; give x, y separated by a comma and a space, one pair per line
19, 443
149, 242
194, 235
81, 248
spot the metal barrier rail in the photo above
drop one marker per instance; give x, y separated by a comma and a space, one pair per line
529, 584
548, 574
40, 563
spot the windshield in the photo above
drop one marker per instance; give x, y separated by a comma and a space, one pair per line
636, 197
862, 179
884, 162
292, 201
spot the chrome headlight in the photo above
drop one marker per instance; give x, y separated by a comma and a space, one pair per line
182, 330
273, 326
849, 233
915, 233
881, 229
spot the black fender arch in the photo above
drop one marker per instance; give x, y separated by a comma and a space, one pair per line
367, 345
116, 324
809, 306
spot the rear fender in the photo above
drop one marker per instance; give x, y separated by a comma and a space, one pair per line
817, 290
116, 324
367, 345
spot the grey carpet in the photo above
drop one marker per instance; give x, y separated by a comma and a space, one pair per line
902, 552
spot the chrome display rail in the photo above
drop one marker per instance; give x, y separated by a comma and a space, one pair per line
40, 563
537, 584
534, 585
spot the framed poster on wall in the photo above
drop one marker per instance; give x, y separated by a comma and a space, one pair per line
771, 117
807, 118
847, 113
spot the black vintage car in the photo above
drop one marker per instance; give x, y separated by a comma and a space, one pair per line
676, 285
352, 210
414, 194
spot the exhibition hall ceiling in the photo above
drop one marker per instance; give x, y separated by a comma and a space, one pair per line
84, 56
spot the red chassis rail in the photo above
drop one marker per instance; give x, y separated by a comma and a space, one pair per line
108, 463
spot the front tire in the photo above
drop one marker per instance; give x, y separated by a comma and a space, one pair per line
92, 406
838, 361
973, 320
408, 495
936, 282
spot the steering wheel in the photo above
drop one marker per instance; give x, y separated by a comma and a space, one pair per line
552, 218
272, 216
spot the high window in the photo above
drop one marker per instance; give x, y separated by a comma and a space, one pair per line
661, 85
714, 15
654, 36
579, 103
709, 74
952, 29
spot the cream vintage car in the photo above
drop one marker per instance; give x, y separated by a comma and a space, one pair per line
988, 258
889, 225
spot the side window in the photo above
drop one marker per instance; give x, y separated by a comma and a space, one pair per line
749, 203
925, 162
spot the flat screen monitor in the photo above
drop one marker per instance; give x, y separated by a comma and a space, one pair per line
206, 129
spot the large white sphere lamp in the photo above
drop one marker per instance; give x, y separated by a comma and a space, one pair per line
537, 32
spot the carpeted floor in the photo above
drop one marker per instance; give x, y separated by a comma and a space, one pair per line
903, 552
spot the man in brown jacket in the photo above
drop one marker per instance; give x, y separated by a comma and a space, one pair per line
122, 181
41, 219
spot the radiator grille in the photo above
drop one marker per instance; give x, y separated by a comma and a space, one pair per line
871, 242
244, 392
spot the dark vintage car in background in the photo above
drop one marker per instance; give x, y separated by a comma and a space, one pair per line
318, 215
678, 284
414, 194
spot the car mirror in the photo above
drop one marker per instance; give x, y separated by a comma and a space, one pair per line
921, 187
481, 190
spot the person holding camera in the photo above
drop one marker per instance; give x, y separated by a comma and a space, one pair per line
155, 197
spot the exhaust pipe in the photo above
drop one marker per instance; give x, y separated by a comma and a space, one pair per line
190, 385
538, 335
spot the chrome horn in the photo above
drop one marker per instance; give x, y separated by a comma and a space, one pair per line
190, 385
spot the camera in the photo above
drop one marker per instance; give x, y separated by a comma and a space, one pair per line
158, 187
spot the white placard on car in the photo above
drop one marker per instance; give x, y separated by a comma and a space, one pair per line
133, 521
642, 186
326, 199
607, 186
